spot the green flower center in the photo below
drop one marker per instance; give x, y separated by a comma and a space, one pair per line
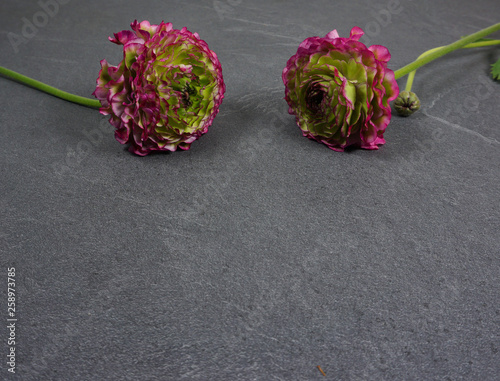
186, 84
186, 95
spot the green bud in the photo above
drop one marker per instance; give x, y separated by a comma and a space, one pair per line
406, 103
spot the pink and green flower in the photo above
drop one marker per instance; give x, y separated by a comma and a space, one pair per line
339, 90
166, 91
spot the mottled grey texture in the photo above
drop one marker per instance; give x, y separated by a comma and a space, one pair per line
258, 254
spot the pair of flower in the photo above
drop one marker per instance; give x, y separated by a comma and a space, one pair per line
168, 88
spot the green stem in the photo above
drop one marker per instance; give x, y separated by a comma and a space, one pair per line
88, 102
445, 50
411, 75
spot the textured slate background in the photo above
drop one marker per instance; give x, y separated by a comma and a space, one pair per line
258, 254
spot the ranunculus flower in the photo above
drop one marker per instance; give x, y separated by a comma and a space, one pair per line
165, 93
339, 90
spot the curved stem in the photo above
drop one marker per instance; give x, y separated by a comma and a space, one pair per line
88, 102
445, 50
411, 75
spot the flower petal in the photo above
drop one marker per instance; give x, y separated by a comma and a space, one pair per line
356, 33
333, 34
381, 53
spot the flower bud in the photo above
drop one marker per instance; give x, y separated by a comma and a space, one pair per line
406, 103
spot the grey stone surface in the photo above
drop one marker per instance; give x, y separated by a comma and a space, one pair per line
257, 254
